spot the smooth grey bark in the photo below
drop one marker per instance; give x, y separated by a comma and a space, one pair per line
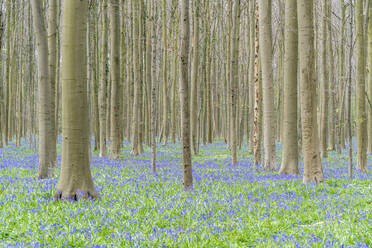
184, 95
290, 136
44, 90
76, 179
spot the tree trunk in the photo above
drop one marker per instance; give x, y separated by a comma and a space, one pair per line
290, 137
164, 72
256, 123
313, 171
150, 80
234, 80
194, 79
370, 80
52, 45
184, 95
115, 78
136, 72
331, 89
342, 80
324, 85
75, 175
103, 81
265, 40
44, 90
361, 117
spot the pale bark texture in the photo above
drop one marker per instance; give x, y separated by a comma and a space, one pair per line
290, 137
103, 81
313, 171
361, 116
52, 60
370, 80
265, 40
256, 122
75, 179
234, 80
342, 80
331, 92
44, 90
324, 85
184, 95
136, 72
164, 73
194, 79
115, 77
152, 83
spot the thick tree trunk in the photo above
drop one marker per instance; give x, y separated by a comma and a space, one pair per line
75, 175
184, 95
290, 137
313, 171
115, 77
44, 90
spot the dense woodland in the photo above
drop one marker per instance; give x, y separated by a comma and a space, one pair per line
185, 123
154, 72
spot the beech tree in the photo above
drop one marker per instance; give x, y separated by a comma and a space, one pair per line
45, 159
75, 175
184, 95
265, 40
115, 77
361, 116
290, 137
313, 171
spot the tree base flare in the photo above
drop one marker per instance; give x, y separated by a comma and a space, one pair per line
76, 195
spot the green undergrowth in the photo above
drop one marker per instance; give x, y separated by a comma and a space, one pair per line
230, 205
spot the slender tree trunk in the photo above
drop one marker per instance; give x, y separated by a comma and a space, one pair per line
44, 90
361, 117
150, 80
342, 80
136, 72
184, 95
75, 175
164, 72
103, 81
257, 144
348, 117
313, 171
234, 80
324, 85
370, 80
52, 45
175, 76
265, 39
194, 78
115, 77
331, 89
2, 87
290, 137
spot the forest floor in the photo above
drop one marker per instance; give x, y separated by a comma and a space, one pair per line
230, 206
